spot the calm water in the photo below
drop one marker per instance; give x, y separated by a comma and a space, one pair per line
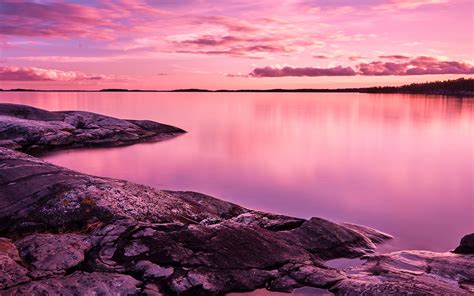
400, 163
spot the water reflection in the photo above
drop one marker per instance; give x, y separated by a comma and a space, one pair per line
399, 163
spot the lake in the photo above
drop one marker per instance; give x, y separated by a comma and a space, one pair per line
402, 164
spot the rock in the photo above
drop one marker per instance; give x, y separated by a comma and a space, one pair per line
79, 283
30, 129
410, 272
466, 245
150, 270
151, 290
12, 272
314, 276
330, 240
201, 281
284, 283
114, 226
35, 196
49, 254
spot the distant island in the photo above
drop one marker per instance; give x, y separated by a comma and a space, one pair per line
462, 87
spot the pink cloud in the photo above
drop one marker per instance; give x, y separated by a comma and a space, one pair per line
210, 40
222, 35
248, 51
416, 66
321, 57
394, 57
338, 8
239, 45
37, 74
407, 4
232, 24
51, 19
274, 71
58, 19
356, 58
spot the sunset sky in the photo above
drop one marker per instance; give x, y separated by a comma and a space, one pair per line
233, 43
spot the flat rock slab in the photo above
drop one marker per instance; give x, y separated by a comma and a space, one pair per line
35, 130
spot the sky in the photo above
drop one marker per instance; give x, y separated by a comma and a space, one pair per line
233, 44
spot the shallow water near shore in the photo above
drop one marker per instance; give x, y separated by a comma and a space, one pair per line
402, 164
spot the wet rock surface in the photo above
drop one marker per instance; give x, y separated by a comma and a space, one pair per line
72, 233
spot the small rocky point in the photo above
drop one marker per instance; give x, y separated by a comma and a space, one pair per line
32, 130
64, 232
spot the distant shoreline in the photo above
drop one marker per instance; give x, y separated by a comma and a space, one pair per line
463, 87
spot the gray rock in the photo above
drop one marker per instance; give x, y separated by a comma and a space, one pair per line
30, 129
466, 246
11, 271
410, 273
79, 283
49, 254
151, 290
150, 270
314, 276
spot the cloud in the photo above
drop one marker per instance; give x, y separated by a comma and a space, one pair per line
417, 66
356, 58
249, 51
394, 57
414, 66
276, 71
222, 35
24, 18
210, 40
238, 45
232, 24
407, 4
321, 56
343, 7
103, 20
38, 74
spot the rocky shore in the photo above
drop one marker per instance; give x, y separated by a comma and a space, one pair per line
64, 232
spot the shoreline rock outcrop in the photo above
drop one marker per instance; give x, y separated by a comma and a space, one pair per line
66, 232
34, 130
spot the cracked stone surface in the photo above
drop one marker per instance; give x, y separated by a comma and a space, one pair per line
410, 272
12, 272
30, 129
49, 254
70, 233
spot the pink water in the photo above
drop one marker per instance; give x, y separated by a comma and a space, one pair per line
400, 163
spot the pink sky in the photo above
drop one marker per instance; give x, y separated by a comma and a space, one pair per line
233, 44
